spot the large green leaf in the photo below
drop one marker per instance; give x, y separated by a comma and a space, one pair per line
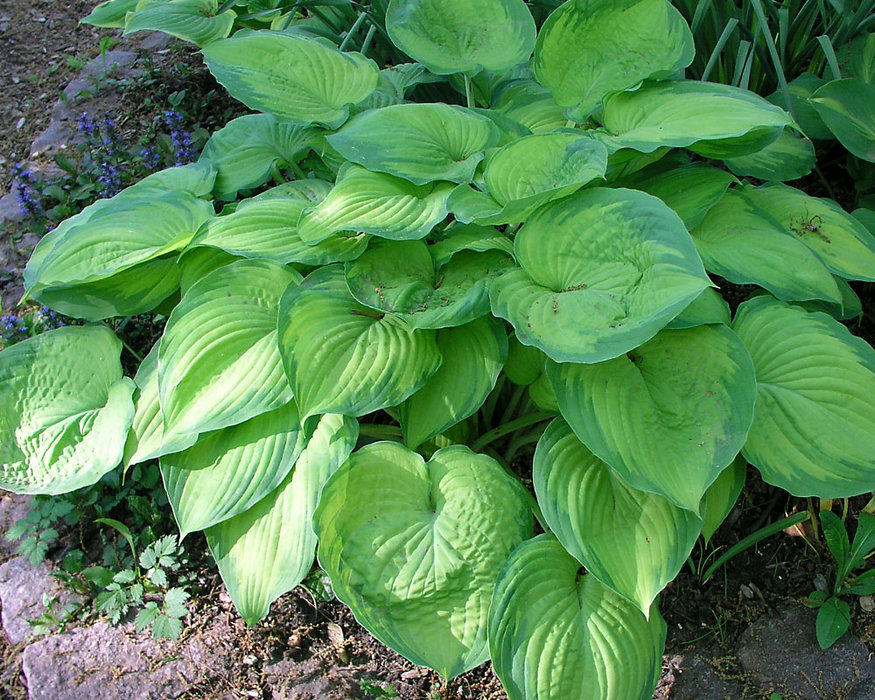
668, 416
65, 409
291, 76
455, 36
718, 121
428, 141
268, 550
601, 272
473, 355
197, 21
741, 242
789, 157
813, 432
414, 547
633, 542
708, 307
342, 357
376, 203
801, 88
228, 471
246, 148
114, 235
267, 228
848, 108
690, 189
844, 244
722, 495
219, 364
402, 278
590, 48
111, 13
555, 634
529, 104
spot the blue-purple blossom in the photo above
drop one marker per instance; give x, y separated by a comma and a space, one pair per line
85, 124
24, 190
150, 157
180, 138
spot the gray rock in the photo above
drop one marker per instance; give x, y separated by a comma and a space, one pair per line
313, 679
22, 590
102, 662
692, 675
13, 507
10, 209
781, 654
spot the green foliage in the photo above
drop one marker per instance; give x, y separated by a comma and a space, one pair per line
367, 262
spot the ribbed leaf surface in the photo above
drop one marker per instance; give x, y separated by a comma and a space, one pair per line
668, 416
228, 471
196, 21
602, 271
65, 409
633, 542
342, 357
813, 432
414, 547
848, 108
531, 105
708, 307
555, 634
789, 157
269, 549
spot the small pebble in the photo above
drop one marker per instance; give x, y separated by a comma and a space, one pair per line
867, 602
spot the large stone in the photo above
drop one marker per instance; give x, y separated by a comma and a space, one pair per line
13, 507
102, 662
781, 654
693, 675
314, 679
23, 587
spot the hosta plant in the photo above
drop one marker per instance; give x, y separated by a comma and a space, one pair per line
377, 305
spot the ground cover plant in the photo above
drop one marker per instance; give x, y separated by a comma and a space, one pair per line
395, 277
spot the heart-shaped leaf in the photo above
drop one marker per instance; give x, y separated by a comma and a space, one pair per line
529, 104
844, 244
668, 416
111, 13
602, 271
376, 203
590, 48
219, 364
401, 277
244, 150
342, 357
813, 432
237, 467
429, 141
708, 307
473, 355
633, 542
268, 550
789, 157
291, 76
717, 121
65, 409
741, 242
848, 108
555, 634
414, 547
454, 36
197, 21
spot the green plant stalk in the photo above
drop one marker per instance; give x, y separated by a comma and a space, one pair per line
508, 428
381, 432
352, 30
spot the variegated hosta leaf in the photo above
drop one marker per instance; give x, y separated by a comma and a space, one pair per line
401, 278
111, 13
384, 205
708, 307
473, 355
268, 550
470, 237
342, 357
114, 235
532, 171
219, 364
198, 178
456, 36
718, 121
196, 263
848, 108
291, 76
228, 471
244, 150
846, 247
197, 21
806, 116
722, 495
556, 634
524, 363
428, 141
632, 541
146, 437
690, 189
65, 409
414, 547
267, 228
590, 48
789, 157
668, 416
741, 242
530, 104
602, 271
813, 432
542, 395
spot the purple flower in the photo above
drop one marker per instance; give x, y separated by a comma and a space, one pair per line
86, 125
180, 138
24, 191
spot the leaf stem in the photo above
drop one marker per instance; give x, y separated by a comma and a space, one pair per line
369, 37
468, 96
381, 432
508, 428
352, 30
